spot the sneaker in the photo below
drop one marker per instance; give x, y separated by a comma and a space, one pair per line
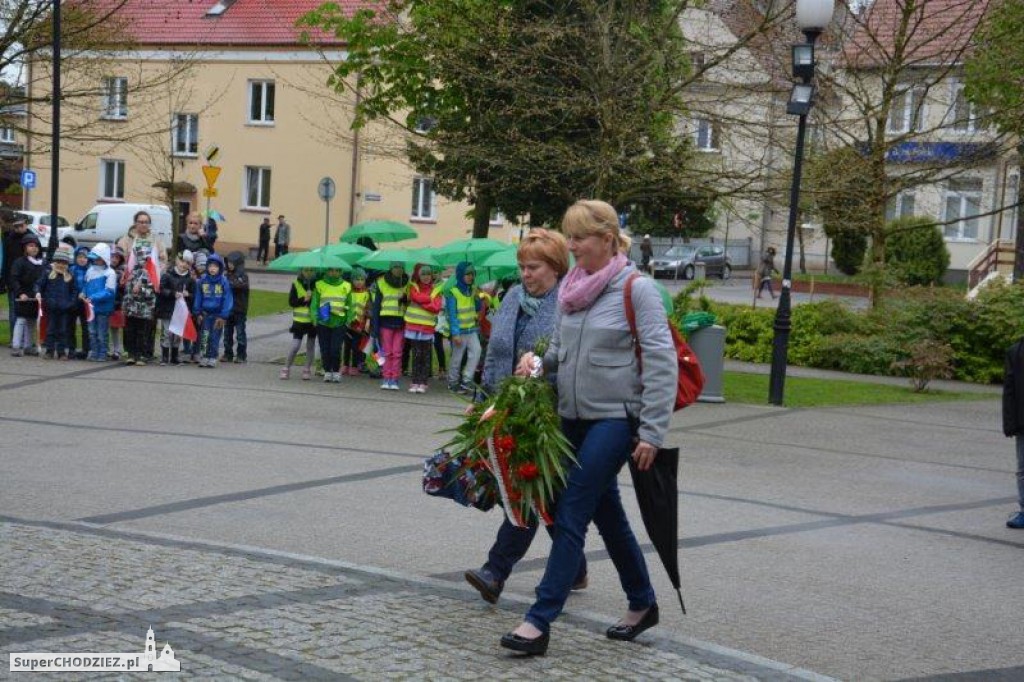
337, 377
18, 353
465, 388
227, 358
32, 351
327, 377
101, 358
141, 362
1016, 521
64, 357
115, 356
284, 373
307, 374
414, 388
129, 360
240, 361
202, 362
212, 363
394, 385
385, 385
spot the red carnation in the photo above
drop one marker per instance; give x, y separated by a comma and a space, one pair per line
528, 471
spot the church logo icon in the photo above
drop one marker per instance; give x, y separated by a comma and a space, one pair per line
165, 662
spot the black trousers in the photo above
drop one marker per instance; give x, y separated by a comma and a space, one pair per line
263, 253
420, 360
330, 346
351, 356
138, 337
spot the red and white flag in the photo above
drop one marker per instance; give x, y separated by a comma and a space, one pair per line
153, 267
181, 322
90, 314
43, 323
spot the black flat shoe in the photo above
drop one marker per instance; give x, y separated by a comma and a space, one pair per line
486, 584
627, 633
538, 646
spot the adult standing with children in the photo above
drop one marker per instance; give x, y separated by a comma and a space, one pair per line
598, 382
527, 315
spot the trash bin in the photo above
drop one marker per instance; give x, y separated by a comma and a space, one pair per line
709, 345
700, 272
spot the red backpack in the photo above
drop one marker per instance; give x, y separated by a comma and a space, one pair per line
691, 376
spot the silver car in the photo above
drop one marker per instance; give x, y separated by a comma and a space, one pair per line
679, 261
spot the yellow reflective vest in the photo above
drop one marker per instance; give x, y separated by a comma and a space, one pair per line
335, 295
360, 299
465, 310
390, 301
301, 314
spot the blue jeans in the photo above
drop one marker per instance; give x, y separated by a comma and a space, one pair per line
235, 325
57, 332
512, 544
602, 447
209, 338
99, 330
1020, 471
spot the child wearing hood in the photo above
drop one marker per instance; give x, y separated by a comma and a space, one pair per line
139, 306
79, 266
213, 305
420, 320
239, 281
462, 306
331, 304
352, 357
100, 292
26, 271
117, 317
388, 299
175, 284
191, 348
300, 297
58, 294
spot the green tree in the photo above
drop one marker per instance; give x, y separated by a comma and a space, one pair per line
916, 253
531, 105
994, 74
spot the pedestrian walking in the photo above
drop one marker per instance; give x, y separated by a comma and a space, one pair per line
1013, 420
599, 386
765, 269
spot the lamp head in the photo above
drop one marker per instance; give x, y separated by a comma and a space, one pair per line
814, 15
800, 99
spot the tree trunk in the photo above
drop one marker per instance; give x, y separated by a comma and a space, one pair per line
1018, 257
482, 215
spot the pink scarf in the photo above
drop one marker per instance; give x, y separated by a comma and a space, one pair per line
580, 288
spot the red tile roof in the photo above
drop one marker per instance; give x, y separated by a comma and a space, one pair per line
933, 32
245, 23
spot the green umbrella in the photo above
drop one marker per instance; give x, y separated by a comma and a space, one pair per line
508, 259
281, 262
379, 231
350, 253
474, 251
309, 259
382, 259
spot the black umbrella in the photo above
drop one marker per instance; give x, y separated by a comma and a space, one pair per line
657, 494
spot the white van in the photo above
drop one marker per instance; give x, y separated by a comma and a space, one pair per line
109, 222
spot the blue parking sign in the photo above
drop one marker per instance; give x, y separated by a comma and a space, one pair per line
28, 179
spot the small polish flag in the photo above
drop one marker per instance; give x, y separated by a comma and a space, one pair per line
90, 314
365, 343
153, 269
181, 322
43, 321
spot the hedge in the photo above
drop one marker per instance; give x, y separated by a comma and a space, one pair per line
827, 335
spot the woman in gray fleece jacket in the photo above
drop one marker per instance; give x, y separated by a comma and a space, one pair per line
598, 381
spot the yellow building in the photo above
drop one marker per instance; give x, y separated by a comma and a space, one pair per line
231, 76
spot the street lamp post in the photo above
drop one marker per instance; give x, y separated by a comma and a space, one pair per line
51, 243
812, 16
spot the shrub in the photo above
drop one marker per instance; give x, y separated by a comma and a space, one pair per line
929, 359
848, 249
915, 252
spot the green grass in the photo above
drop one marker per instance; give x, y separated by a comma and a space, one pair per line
262, 302
806, 392
5, 331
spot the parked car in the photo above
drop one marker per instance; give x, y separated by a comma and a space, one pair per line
39, 224
109, 222
679, 261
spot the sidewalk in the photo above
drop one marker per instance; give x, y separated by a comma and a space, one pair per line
237, 612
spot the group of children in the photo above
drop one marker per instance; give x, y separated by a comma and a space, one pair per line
116, 305
396, 319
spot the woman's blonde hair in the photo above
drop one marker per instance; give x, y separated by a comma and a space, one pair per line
194, 214
547, 246
591, 216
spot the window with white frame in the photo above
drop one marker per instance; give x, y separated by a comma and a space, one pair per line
964, 114
706, 134
907, 110
186, 134
115, 97
257, 187
6, 134
900, 206
112, 179
424, 200
261, 102
963, 204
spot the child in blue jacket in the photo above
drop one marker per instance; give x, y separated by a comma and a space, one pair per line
58, 294
213, 306
79, 266
100, 290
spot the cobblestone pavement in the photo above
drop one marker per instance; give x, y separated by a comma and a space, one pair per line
239, 613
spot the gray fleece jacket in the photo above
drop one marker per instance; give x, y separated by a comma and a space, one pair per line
592, 351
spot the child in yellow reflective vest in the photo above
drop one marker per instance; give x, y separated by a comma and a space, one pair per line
331, 304
299, 298
420, 320
356, 331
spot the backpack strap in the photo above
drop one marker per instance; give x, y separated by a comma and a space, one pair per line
631, 319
